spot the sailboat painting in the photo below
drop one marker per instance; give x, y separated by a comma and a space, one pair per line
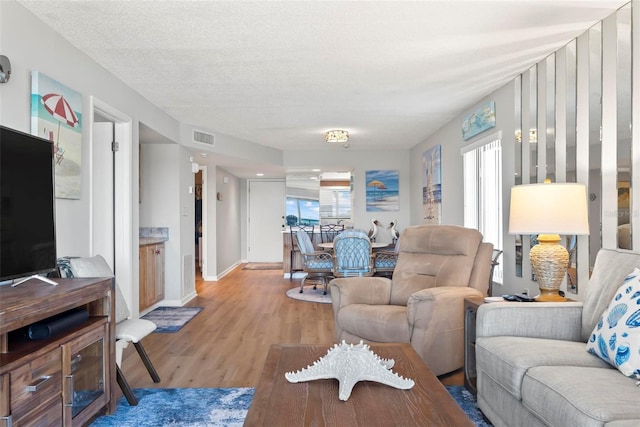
431, 186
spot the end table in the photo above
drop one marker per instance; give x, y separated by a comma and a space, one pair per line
470, 309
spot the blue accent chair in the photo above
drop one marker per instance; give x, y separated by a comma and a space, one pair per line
352, 254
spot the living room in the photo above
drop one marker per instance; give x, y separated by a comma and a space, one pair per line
34, 46
28, 53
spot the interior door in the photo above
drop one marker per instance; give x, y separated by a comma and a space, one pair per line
266, 220
102, 192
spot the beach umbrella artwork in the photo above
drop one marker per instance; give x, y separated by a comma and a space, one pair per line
61, 110
377, 185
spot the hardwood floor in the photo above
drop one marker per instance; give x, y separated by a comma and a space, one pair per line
227, 343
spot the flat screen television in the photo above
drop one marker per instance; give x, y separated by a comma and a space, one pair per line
27, 205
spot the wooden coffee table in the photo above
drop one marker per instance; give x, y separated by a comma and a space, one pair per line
277, 402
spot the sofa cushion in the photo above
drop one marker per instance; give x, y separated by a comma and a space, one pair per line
610, 269
507, 359
616, 337
379, 323
580, 396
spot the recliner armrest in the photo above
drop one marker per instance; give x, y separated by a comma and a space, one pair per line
438, 303
551, 320
360, 290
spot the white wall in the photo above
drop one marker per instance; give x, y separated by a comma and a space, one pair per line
228, 220
450, 139
160, 205
185, 286
33, 46
359, 162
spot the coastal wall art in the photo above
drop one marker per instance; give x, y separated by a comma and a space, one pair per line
382, 190
432, 186
56, 115
480, 120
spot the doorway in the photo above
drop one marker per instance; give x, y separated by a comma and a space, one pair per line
198, 222
111, 194
266, 220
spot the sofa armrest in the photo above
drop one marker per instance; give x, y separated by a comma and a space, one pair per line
551, 320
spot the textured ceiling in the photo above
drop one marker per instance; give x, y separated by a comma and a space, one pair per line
280, 73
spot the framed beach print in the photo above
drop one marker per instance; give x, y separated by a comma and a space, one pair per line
382, 190
480, 120
56, 115
431, 186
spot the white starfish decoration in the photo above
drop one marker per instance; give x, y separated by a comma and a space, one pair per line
349, 364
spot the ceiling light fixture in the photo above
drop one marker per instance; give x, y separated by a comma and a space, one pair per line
336, 136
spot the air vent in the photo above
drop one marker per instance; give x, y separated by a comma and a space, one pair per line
203, 138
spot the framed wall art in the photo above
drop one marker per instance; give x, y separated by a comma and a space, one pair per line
56, 114
431, 186
480, 120
382, 190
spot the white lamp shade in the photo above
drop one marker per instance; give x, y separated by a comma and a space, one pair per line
550, 208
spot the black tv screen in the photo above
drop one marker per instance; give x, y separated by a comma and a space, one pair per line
27, 208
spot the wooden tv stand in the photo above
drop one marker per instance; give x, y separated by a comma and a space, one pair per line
69, 378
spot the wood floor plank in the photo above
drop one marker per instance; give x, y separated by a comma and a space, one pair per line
227, 343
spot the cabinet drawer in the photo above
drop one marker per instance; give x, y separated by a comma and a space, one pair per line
49, 415
36, 386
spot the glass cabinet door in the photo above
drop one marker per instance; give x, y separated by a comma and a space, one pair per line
84, 367
88, 376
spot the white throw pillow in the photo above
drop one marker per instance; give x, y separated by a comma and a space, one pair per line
616, 337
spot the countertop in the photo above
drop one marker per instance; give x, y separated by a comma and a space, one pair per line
144, 241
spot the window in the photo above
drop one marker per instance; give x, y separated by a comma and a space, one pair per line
335, 203
482, 163
302, 211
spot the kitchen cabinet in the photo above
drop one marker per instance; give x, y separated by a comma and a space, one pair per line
151, 275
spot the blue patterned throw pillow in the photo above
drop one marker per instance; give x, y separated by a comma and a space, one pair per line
616, 337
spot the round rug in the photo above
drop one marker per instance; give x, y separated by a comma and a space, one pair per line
309, 294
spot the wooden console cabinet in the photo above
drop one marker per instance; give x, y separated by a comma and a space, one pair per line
151, 275
69, 378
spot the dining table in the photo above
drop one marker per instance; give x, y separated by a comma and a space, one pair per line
374, 245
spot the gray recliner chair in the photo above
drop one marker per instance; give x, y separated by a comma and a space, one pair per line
422, 304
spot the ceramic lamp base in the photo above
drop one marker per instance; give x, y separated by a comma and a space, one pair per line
550, 295
549, 261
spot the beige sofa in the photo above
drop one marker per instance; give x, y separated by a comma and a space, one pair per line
533, 367
438, 266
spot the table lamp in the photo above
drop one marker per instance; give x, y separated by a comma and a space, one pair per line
548, 210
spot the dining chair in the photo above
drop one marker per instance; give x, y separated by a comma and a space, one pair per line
571, 248
328, 232
352, 254
317, 264
384, 262
127, 330
293, 229
494, 262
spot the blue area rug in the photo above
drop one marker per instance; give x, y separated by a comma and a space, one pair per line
181, 407
467, 402
171, 319
216, 407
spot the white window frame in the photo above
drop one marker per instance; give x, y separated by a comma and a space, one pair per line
482, 176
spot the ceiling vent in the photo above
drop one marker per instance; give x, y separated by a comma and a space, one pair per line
203, 138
